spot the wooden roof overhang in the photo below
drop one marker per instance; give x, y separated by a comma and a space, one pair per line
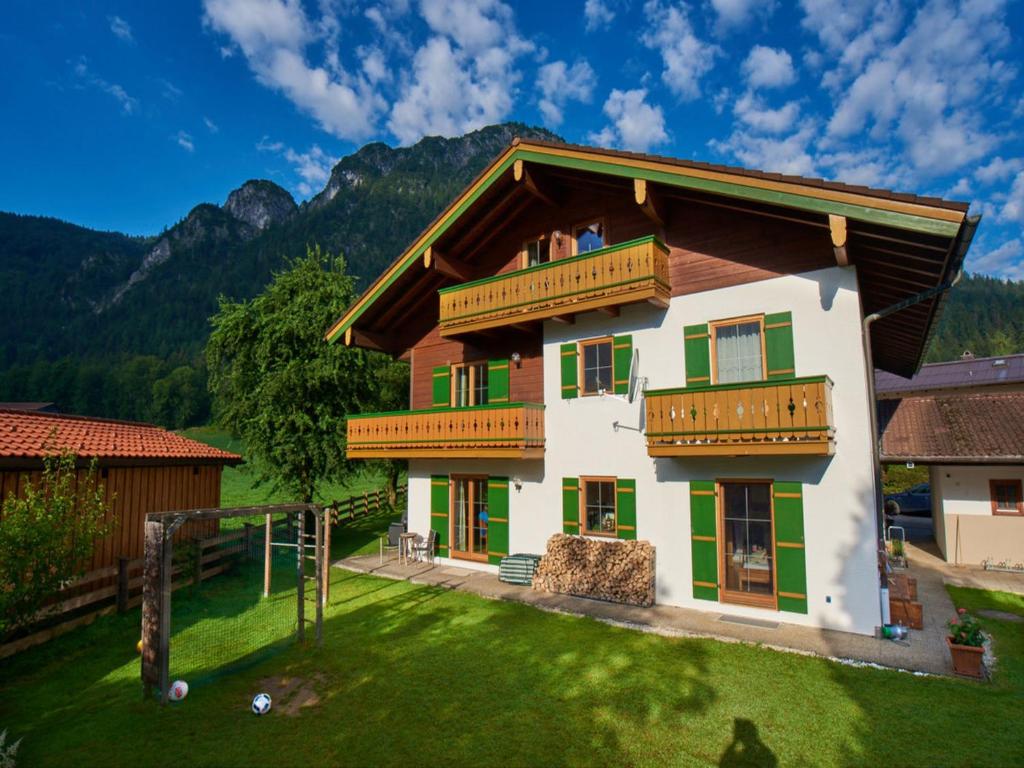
901, 244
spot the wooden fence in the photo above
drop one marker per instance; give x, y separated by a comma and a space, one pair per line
118, 588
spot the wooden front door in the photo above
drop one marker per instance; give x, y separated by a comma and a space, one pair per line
469, 517
747, 553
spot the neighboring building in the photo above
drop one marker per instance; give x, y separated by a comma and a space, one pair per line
143, 469
564, 279
973, 445
37, 407
990, 374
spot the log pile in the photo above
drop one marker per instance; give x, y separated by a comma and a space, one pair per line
617, 571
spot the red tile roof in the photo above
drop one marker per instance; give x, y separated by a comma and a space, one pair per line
964, 429
33, 435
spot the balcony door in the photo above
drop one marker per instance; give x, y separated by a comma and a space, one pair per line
469, 384
469, 518
747, 551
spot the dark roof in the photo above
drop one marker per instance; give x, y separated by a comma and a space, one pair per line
45, 407
972, 372
32, 435
953, 429
838, 186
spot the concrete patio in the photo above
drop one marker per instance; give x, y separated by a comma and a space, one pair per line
925, 650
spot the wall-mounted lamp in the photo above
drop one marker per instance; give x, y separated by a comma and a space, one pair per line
518, 483
517, 359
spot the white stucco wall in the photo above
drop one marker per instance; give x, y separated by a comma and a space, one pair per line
839, 526
965, 527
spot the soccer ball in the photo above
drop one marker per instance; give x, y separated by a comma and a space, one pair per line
179, 690
261, 704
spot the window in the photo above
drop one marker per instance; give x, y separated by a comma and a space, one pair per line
536, 252
738, 350
469, 384
588, 237
748, 561
469, 517
597, 366
599, 506
1007, 498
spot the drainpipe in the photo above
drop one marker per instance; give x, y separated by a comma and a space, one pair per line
960, 246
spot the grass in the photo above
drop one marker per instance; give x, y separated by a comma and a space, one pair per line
238, 485
422, 676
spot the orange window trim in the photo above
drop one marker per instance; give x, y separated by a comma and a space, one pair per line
583, 505
581, 379
994, 485
713, 333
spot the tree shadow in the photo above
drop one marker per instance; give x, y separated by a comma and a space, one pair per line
746, 748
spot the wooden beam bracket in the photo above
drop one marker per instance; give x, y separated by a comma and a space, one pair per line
529, 182
649, 201
837, 227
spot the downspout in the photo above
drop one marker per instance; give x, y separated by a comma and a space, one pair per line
955, 265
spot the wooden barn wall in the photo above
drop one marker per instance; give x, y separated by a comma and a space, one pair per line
131, 493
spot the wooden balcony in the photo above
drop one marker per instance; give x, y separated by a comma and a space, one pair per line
751, 419
509, 430
627, 273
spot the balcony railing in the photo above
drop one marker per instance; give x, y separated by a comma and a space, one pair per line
754, 418
509, 430
627, 273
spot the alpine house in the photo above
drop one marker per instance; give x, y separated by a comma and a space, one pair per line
621, 346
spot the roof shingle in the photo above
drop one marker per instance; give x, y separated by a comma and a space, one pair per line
965, 428
33, 435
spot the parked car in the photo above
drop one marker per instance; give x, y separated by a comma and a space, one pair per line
916, 501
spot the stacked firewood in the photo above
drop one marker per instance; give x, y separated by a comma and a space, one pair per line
618, 571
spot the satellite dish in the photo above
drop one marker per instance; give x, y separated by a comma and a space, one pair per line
634, 375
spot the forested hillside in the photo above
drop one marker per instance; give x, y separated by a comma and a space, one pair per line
111, 325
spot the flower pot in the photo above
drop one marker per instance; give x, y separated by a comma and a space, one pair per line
966, 659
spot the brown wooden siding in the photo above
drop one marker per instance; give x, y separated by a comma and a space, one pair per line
133, 492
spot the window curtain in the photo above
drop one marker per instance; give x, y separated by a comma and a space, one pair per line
738, 352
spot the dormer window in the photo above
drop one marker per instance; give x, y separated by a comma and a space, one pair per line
588, 237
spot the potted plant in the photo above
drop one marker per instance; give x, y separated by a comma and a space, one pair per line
965, 642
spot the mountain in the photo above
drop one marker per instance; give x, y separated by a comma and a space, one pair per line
93, 309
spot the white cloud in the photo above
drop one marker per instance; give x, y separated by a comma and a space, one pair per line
961, 188
738, 13
768, 68
313, 166
1007, 260
559, 83
184, 140
464, 76
685, 56
211, 126
635, 124
782, 155
598, 14
169, 90
87, 77
1013, 207
752, 111
121, 29
274, 35
998, 169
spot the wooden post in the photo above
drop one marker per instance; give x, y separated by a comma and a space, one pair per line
320, 573
328, 519
300, 584
122, 584
152, 654
267, 538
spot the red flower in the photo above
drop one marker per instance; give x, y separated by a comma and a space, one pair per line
953, 623
961, 611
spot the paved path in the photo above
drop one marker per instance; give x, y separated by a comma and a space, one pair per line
965, 575
925, 652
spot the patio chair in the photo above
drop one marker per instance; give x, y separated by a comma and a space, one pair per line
392, 541
423, 549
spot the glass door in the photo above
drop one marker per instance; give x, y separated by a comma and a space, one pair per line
469, 518
748, 557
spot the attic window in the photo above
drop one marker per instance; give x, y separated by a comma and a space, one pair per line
999, 362
536, 252
588, 237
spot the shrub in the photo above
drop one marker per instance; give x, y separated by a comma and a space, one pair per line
965, 630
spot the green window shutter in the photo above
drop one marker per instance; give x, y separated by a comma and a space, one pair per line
442, 386
622, 357
790, 560
497, 519
570, 505
439, 511
697, 349
569, 371
704, 539
625, 504
778, 343
497, 381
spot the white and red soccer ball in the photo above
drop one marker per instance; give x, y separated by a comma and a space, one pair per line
179, 690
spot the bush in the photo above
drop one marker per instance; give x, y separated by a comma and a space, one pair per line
965, 630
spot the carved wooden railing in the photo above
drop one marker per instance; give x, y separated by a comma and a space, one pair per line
765, 417
626, 273
509, 430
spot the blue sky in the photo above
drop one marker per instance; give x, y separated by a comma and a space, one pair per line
124, 115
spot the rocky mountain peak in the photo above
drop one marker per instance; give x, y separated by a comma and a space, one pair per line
260, 203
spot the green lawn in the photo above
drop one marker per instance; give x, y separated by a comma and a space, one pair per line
238, 488
413, 675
